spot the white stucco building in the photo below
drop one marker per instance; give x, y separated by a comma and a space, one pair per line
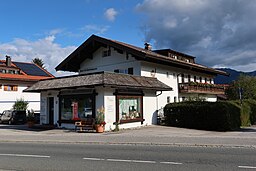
16, 77
131, 83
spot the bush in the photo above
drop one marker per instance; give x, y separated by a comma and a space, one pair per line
218, 116
20, 104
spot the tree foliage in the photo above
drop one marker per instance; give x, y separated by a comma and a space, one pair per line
246, 85
39, 62
20, 104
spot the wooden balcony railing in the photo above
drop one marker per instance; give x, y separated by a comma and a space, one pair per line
203, 88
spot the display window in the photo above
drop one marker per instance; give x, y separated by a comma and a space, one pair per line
76, 107
129, 108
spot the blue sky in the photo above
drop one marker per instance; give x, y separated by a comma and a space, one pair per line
220, 33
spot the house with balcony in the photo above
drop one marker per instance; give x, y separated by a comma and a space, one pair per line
16, 77
131, 83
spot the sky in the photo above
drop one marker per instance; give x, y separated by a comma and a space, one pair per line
219, 33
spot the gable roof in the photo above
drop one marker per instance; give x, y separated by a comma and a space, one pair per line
107, 79
85, 50
27, 72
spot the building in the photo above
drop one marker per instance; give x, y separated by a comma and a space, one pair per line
131, 83
16, 77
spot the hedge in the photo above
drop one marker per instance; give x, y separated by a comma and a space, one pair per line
218, 116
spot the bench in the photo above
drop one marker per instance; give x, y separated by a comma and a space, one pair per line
85, 124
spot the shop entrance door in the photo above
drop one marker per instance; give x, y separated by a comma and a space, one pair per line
51, 110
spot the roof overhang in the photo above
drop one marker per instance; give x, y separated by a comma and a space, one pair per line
84, 51
104, 79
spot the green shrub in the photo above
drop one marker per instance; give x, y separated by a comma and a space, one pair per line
219, 116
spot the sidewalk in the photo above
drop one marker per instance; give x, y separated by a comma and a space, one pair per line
150, 135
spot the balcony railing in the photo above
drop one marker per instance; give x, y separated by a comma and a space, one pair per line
203, 88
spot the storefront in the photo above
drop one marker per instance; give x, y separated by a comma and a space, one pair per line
129, 105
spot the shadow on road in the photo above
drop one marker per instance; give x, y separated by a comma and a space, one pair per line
35, 128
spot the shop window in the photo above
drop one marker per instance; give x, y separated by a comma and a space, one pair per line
129, 108
76, 107
10, 88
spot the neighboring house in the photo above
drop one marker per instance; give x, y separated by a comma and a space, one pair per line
16, 77
131, 83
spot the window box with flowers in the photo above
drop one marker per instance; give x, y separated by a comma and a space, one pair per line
100, 120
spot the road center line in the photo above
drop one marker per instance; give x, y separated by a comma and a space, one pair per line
142, 161
25, 155
247, 167
96, 159
130, 161
174, 163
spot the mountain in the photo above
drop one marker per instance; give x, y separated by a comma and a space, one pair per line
220, 79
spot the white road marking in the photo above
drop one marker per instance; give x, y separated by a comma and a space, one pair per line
96, 159
118, 160
142, 161
131, 161
247, 167
25, 155
174, 163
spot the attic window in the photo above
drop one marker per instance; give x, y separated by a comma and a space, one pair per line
106, 53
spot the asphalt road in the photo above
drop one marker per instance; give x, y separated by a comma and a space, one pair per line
35, 156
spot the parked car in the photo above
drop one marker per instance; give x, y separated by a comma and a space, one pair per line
13, 117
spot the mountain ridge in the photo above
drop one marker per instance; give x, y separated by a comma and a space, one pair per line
234, 74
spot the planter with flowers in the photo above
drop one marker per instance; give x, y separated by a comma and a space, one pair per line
30, 118
100, 121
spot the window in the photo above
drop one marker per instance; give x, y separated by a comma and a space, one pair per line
124, 71
210, 81
175, 99
130, 71
76, 107
194, 78
182, 78
167, 74
189, 78
168, 99
129, 108
200, 79
106, 53
10, 88
205, 80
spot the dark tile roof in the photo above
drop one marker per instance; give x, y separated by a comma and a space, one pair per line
72, 62
108, 79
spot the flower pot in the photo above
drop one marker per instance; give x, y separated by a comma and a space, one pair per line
31, 124
99, 128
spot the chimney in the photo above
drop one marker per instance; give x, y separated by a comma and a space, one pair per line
8, 61
148, 46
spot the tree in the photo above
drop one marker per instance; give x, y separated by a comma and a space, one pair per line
39, 62
245, 87
20, 104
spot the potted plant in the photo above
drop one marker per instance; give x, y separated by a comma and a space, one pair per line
30, 118
99, 120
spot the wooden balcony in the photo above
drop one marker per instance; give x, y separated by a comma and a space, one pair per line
201, 88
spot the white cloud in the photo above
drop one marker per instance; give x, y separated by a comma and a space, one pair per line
110, 14
51, 53
94, 29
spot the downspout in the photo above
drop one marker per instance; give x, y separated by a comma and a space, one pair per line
158, 117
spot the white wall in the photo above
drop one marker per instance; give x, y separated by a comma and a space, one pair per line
8, 98
109, 63
44, 108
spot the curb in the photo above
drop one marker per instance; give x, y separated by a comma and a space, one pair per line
133, 143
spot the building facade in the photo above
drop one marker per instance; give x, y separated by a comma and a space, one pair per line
16, 77
134, 84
